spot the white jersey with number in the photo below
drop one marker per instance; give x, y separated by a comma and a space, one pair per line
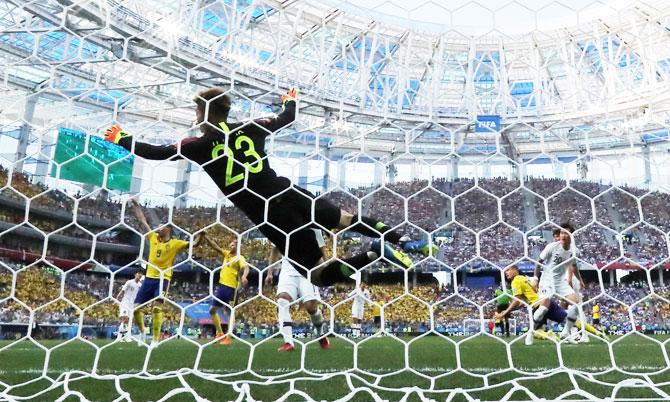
556, 261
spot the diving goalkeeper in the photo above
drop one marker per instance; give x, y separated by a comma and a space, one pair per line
233, 154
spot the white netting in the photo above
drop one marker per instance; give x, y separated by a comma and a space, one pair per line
477, 130
474, 327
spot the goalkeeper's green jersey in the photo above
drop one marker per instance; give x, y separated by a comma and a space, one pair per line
502, 297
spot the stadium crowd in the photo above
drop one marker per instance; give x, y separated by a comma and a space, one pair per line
606, 218
89, 294
428, 208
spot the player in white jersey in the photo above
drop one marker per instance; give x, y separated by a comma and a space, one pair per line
129, 291
574, 276
361, 296
293, 287
577, 284
558, 259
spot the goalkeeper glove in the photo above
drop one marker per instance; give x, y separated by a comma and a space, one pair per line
291, 95
115, 133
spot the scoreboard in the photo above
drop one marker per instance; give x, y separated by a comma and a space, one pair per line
83, 158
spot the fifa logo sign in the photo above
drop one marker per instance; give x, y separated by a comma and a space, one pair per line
487, 124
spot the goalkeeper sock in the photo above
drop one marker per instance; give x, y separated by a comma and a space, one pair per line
373, 228
284, 315
139, 319
156, 323
217, 323
544, 335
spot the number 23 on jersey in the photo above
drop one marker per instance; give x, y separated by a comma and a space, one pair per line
242, 143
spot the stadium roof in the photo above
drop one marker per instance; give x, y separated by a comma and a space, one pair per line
561, 75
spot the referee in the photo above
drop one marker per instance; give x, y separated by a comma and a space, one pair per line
502, 302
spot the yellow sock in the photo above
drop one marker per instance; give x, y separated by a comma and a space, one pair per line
217, 323
156, 323
542, 334
588, 327
139, 320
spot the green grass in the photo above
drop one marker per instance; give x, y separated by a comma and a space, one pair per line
379, 364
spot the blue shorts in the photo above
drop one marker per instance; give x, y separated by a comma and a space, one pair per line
222, 294
555, 313
150, 289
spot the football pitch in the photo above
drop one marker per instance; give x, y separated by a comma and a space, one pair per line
393, 368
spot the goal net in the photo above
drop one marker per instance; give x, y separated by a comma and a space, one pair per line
456, 137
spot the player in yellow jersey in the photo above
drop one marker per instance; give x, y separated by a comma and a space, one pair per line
595, 311
163, 250
226, 290
377, 316
523, 292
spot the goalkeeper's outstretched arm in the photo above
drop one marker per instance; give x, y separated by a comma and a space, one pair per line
194, 148
286, 117
116, 135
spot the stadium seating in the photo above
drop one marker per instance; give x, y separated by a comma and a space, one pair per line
616, 213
